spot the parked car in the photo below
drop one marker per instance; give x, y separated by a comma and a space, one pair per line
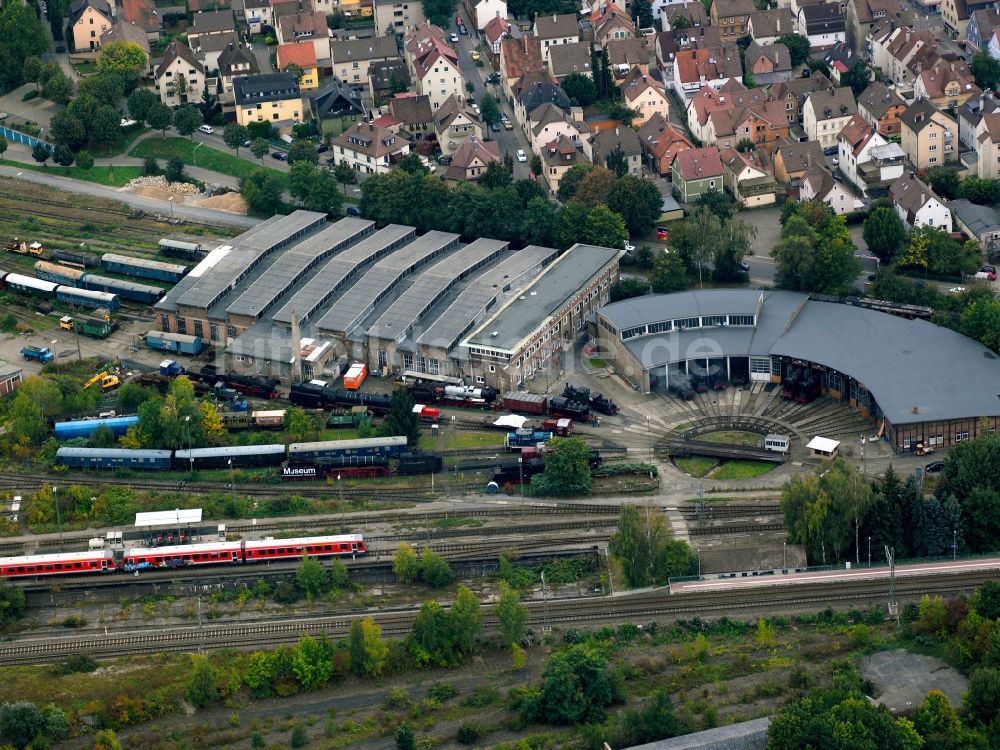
832, 151
247, 144
495, 127
322, 148
521, 156
454, 38
476, 57
463, 31
745, 266
934, 467
990, 271
279, 155
661, 233
353, 211
206, 129
507, 124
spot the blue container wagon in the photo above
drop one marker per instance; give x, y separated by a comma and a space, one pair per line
143, 268
239, 455
87, 298
128, 290
85, 427
114, 458
181, 343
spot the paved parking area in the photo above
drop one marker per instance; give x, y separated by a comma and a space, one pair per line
37, 110
906, 678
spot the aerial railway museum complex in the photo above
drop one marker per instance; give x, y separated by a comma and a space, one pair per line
348, 292
919, 381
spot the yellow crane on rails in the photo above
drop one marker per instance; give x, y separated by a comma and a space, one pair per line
107, 380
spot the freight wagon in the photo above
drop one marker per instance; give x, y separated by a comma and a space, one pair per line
529, 403
179, 249
175, 342
84, 428
96, 327
142, 268
84, 260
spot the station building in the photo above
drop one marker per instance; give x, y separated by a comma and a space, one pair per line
919, 382
300, 297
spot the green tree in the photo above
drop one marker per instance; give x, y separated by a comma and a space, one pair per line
567, 469
302, 150
936, 718
495, 176
571, 181
577, 688
12, 604
235, 135
616, 162
637, 201
104, 127
538, 223
669, 273
489, 110
126, 59
22, 36
312, 578
22, 723
916, 252
261, 673
84, 160
58, 88
102, 437
3, 146
31, 71
981, 321
430, 640
404, 738
594, 187
405, 565
262, 192
41, 153
815, 253
201, 687
985, 70
106, 739
174, 171
465, 620
580, 89
944, 181
435, 570
884, 232
299, 424
187, 120
643, 547
160, 117
511, 614
858, 77
259, 149
983, 192
141, 102
105, 88
983, 699
798, 47
67, 129
642, 13
368, 653
439, 12
316, 189
63, 156
401, 420
603, 227
344, 174
627, 289
312, 662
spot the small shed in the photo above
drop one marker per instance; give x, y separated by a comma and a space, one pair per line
670, 210
168, 526
825, 448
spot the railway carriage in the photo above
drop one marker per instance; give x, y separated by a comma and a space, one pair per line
66, 563
57, 273
178, 556
321, 546
310, 452
128, 290
241, 456
87, 298
114, 458
30, 285
143, 268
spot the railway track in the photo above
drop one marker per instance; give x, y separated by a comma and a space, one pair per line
746, 528
639, 608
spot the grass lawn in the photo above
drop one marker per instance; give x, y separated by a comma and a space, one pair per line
85, 68
473, 440
596, 363
110, 176
742, 470
696, 466
207, 157
728, 437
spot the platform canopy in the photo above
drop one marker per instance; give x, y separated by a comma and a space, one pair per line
167, 518
822, 444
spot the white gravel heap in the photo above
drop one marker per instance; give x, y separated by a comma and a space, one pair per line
176, 188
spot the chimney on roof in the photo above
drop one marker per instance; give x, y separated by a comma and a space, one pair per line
923, 198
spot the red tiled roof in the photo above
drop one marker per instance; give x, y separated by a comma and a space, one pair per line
302, 54
696, 163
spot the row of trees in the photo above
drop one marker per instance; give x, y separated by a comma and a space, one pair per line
644, 548
922, 250
815, 252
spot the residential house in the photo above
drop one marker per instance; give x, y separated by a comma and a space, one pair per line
626, 55
234, 61
917, 205
543, 91
731, 95
566, 59
840, 59
993, 45
197, 6
551, 30
301, 55
398, 15
610, 23
988, 147
558, 157
881, 107
793, 160
956, 14
269, 97
668, 12
823, 24
413, 112
867, 160
469, 163
930, 137
179, 76
142, 14
696, 68
126, 32
369, 148
981, 29
669, 43
862, 15
210, 47
761, 123
732, 17
900, 52
695, 172
819, 185
491, 36
603, 143
645, 95
311, 27
747, 179
547, 123
768, 63
826, 112
89, 19
661, 142
980, 222
768, 26
257, 14
454, 123
336, 100
387, 78
436, 71
481, 12
947, 85
210, 23
793, 94
969, 115
518, 58
352, 58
